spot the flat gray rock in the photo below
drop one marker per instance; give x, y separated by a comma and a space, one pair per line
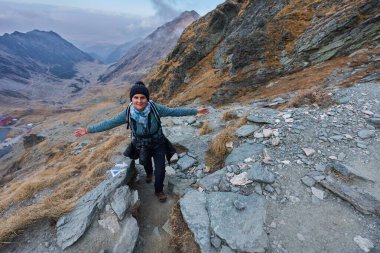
375, 122
366, 133
244, 151
73, 225
246, 130
128, 238
193, 208
260, 174
209, 182
121, 201
242, 230
259, 119
186, 162
179, 186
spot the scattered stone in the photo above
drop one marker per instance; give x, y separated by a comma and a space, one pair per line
341, 156
366, 133
308, 181
72, 226
294, 199
318, 193
258, 135
300, 237
258, 119
269, 188
224, 218
267, 133
179, 186
240, 205
186, 162
156, 233
169, 171
194, 212
226, 249
243, 151
174, 158
209, 181
258, 189
216, 242
260, 174
276, 141
333, 157
246, 130
315, 200
241, 179
110, 223
365, 244
167, 228
230, 145
368, 112
266, 157
308, 151
248, 160
273, 224
361, 145
121, 201
320, 167
375, 122
128, 238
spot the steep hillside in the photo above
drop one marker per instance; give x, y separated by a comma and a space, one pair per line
243, 45
139, 59
38, 52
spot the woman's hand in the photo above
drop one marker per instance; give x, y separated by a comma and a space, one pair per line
80, 132
203, 110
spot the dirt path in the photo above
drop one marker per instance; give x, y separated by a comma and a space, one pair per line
151, 217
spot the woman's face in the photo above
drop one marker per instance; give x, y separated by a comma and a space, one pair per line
139, 101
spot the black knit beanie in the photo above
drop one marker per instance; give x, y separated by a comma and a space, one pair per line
139, 88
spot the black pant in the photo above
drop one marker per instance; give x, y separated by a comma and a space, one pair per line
158, 154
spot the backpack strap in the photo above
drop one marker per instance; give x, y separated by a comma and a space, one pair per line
128, 115
155, 112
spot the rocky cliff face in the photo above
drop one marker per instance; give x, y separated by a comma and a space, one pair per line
38, 52
139, 59
242, 45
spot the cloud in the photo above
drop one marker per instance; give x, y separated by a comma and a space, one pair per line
79, 26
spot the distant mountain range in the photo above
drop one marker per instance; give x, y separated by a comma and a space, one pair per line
108, 53
38, 52
140, 58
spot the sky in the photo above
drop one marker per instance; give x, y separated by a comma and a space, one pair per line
91, 22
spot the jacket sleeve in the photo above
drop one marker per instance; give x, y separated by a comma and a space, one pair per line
108, 124
165, 111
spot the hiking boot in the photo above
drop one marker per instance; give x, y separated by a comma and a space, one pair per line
161, 196
149, 178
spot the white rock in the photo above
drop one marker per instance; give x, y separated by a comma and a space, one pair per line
333, 157
290, 120
273, 225
363, 243
368, 112
169, 171
300, 237
318, 193
267, 133
308, 151
276, 141
294, 199
248, 160
348, 136
258, 135
286, 162
110, 223
230, 144
241, 179
276, 132
286, 115
174, 158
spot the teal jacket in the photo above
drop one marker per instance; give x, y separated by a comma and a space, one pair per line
121, 119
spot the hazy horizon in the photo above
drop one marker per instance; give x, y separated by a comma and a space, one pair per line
114, 22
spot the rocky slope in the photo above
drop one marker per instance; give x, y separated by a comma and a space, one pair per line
136, 63
243, 45
38, 52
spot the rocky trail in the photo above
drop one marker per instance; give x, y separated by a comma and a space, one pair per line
303, 179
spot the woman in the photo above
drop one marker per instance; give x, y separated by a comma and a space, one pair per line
147, 138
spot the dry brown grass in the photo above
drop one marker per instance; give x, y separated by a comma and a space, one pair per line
68, 180
229, 115
311, 96
242, 121
218, 151
205, 128
182, 239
